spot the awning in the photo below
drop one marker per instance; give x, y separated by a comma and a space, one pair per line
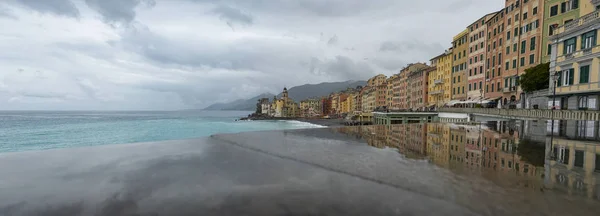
453, 102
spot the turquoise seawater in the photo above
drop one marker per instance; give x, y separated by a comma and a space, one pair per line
33, 130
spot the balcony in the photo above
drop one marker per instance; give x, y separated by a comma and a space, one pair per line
589, 18
438, 81
510, 89
436, 92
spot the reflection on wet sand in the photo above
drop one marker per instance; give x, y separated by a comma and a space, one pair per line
506, 153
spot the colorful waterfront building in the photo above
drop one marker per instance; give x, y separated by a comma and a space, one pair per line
524, 21
476, 57
439, 85
575, 60
405, 88
460, 45
495, 43
556, 13
417, 83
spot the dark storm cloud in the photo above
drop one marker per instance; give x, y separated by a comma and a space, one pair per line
118, 11
56, 7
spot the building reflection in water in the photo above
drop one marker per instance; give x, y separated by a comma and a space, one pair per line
515, 153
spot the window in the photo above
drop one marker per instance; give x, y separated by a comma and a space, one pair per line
499, 71
469, 86
465, 53
532, 44
494, 46
509, 21
508, 35
516, 33
507, 50
569, 45
551, 29
481, 45
506, 65
584, 74
475, 72
475, 58
480, 69
481, 57
486, 87
567, 77
488, 48
500, 59
500, 42
535, 11
588, 40
453, 79
463, 91
563, 7
492, 87
554, 10
516, 17
470, 61
493, 72
480, 86
458, 78
549, 49
523, 44
514, 64
493, 61
522, 61
531, 59
499, 89
514, 47
525, 16
578, 158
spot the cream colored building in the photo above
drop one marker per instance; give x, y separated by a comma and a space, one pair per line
575, 60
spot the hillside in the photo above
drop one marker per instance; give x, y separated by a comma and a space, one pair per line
297, 93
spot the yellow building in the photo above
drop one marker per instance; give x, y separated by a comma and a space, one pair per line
438, 144
574, 164
575, 60
460, 45
439, 80
376, 80
285, 106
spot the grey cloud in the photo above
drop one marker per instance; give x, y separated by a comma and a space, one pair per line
6, 13
332, 8
345, 68
118, 11
233, 15
333, 40
56, 7
410, 46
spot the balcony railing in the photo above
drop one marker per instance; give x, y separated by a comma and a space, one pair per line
588, 115
591, 17
436, 92
510, 89
438, 81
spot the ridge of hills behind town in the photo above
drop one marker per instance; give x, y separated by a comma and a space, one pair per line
296, 93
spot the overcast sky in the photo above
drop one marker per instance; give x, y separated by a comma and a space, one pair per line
180, 54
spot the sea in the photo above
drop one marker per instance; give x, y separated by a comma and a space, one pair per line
41, 130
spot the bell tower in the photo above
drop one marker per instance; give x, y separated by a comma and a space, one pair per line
285, 93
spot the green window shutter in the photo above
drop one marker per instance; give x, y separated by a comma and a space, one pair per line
565, 47
559, 79
571, 76
584, 74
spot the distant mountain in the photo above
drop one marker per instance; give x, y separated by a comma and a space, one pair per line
297, 93
303, 92
241, 104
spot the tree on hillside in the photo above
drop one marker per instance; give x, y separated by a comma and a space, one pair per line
536, 78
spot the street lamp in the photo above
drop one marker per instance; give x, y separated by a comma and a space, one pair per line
555, 77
